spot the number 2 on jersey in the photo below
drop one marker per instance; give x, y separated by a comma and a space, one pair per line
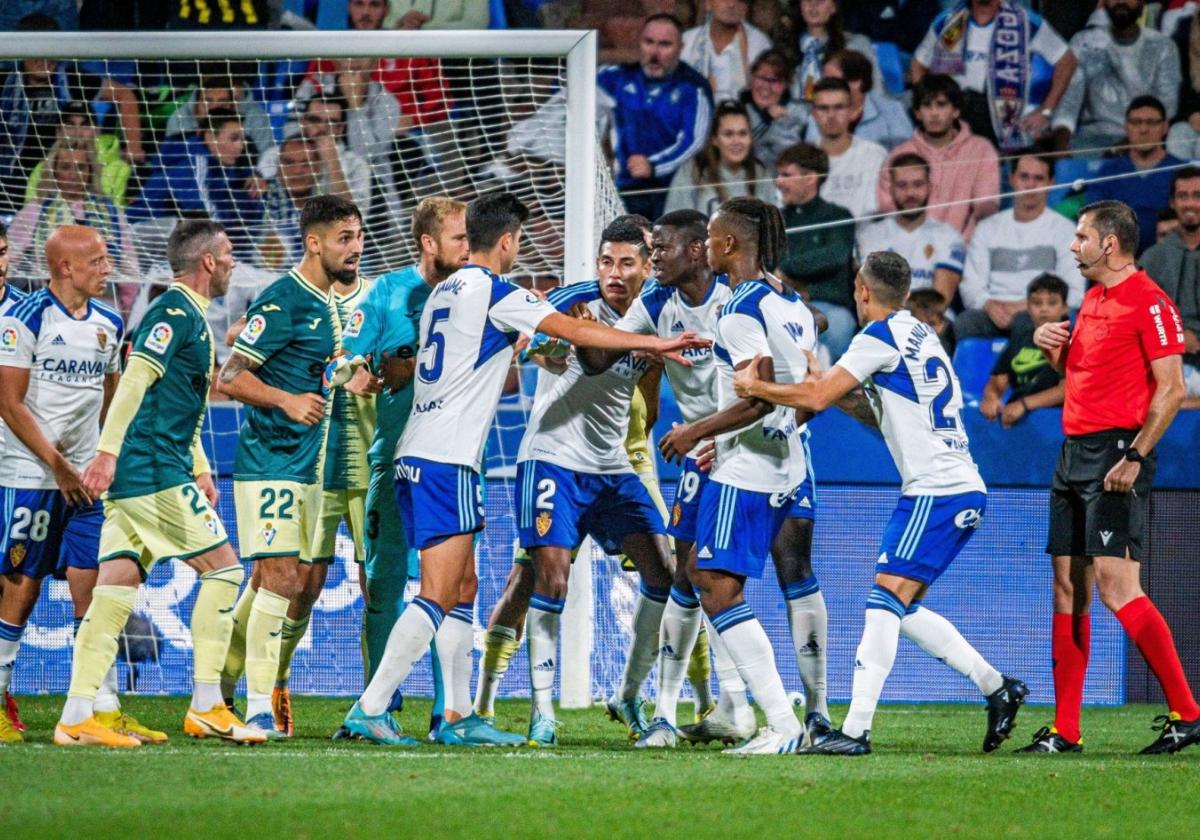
431, 370
934, 369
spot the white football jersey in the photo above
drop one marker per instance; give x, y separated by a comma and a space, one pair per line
67, 359
468, 327
931, 246
662, 311
9, 297
578, 421
768, 456
917, 399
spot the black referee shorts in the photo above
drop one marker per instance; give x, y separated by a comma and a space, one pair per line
1086, 520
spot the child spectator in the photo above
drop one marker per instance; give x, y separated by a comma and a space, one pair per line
1023, 366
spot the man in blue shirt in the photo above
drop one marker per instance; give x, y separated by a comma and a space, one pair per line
659, 111
1145, 132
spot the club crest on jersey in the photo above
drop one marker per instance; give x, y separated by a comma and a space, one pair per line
254, 328
542, 523
269, 532
676, 515
354, 326
15, 555
211, 524
928, 250
159, 339
101, 338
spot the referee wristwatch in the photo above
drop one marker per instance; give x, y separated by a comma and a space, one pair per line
1131, 454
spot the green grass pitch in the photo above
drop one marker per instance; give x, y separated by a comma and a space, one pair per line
926, 779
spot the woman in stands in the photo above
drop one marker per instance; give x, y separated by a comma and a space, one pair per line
776, 119
726, 169
818, 35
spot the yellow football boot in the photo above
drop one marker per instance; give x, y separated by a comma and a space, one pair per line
8, 732
91, 733
281, 706
126, 724
219, 722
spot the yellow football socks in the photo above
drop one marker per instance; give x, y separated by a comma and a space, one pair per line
263, 631
293, 632
700, 671
235, 657
212, 625
96, 647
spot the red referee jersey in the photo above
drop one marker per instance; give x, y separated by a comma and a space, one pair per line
1118, 333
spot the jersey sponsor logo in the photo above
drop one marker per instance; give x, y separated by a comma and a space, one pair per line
969, 518
16, 554
805, 503
254, 329
58, 341
796, 331
705, 553
545, 665
677, 326
160, 337
72, 367
1105, 536
426, 407
178, 313
272, 307
354, 326
315, 323
269, 532
883, 559
1159, 327
408, 473
543, 523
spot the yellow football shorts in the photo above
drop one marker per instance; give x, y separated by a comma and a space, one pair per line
336, 506
177, 522
277, 518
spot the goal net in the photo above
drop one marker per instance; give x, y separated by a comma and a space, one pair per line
128, 133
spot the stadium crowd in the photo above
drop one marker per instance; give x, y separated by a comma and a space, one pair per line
887, 124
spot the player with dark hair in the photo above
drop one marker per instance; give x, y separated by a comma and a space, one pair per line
468, 328
760, 464
276, 370
912, 395
1123, 370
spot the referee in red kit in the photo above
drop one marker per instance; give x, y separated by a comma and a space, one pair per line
1124, 384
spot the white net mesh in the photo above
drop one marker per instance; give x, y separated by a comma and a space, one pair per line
246, 142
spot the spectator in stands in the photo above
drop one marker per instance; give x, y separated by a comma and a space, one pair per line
820, 35
934, 250
32, 97
64, 13
1117, 64
210, 179
726, 169
1012, 247
724, 47
72, 196
1012, 67
1150, 190
660, 110
337, 169
776, 120
873, 116
1174, 264
1023, 366
900, 22
854, 163
964, 170
289, 189
77, 127
222, 91
929, 306
819, 262
1166, 222
430, 14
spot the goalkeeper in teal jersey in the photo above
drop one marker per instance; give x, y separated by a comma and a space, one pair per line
385, 327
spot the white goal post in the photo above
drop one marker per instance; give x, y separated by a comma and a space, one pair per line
590, 200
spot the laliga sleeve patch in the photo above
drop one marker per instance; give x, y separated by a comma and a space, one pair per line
253, 330
354, 325
159, 338
8, 340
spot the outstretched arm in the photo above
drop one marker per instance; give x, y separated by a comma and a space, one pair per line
814, 394
592, 334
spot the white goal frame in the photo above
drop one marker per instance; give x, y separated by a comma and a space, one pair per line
579, 48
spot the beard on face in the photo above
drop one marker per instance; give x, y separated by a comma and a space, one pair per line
339, 272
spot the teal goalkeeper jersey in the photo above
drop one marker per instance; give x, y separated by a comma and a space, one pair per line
174, 338
388, 318
292, 330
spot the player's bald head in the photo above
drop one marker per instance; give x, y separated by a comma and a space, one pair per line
71, 244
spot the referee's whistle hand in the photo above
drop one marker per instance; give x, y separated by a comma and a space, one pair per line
1121, 477
1052, 336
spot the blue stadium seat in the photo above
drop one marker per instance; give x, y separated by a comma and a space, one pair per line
973, 361
891, 66
1066, 170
